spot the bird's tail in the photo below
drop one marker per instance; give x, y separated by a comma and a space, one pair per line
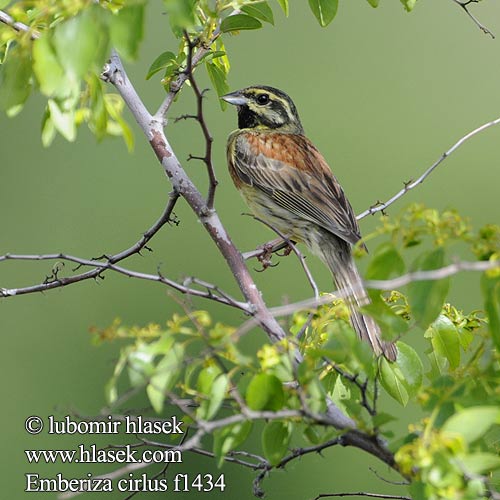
339, 259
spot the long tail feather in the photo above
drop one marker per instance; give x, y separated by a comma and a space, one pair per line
337, 255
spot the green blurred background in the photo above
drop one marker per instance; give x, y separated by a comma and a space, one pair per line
381, 92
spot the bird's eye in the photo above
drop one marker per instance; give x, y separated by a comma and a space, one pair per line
262, 99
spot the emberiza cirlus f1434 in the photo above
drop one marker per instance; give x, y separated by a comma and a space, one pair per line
286, 182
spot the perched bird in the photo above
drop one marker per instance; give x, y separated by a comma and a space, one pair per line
286, 182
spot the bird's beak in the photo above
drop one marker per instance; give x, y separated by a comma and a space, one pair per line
236, 98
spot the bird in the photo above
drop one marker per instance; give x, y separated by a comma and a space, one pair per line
288, 184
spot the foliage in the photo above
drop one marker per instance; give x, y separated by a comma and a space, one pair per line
66, 45
448, 452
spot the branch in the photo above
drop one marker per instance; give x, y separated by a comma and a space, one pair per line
362, 494
152, 127
380, 207
390, 284
200, 118
464, 5
54, 281
296, 453
17, 26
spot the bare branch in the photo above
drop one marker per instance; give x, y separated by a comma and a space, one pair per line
482, 27
153, 129
296, 453
17, 26
212, 291
200, 118
362, 494
390, 284
380, 207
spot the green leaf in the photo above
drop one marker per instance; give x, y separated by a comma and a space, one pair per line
265, 392
81, 43
284, 6
48, 71
63, 120
275, 439
391, 324
48, 130
206, 379
480, 463
411, 367
110, 390
490, 287
229, 438
385, 262
472, 423
98, 120
127, 30
165, 375
260, 11
426, 298
181, 15
409, 4
164, 60
445, 340
219, 80
392, 380
217, 393
240, 22
373, 3
15, 79
324, 10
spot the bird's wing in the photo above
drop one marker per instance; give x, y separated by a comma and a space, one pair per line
295, 175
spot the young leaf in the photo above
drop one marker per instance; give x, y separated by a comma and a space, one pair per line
161, 62
239, 22
127, 30
445, 340
472, 423
81, 43
48, 71
230, 437
265, 392
219, 80
392, 380
217, 394
385, 262
275, 439
373, 3
491, 294
409, 4
284, 6
165, 376
480, 463
324, 10
260, 11
15, 79
64, 120
426, 298
411, 367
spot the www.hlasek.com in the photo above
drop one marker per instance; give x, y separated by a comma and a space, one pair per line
123, 454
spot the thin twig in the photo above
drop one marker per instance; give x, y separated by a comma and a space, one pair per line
380, 207
296, 453
200, 118
17, 26
99, 267
475, 20
362, 494
390, 284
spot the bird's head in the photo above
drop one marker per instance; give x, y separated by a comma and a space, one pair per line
265, 108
